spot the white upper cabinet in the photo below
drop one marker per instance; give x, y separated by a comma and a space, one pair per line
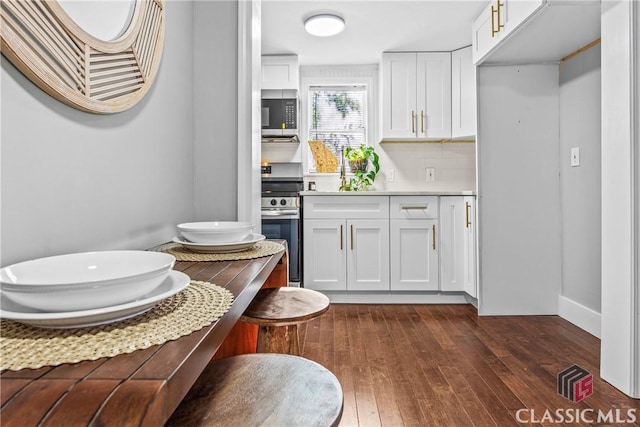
485, 35
416, 95
497, 20
463, 94
516, 12
280, 72
399, 95
533, 31
433, 78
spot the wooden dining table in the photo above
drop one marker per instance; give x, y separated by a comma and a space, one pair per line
143, 388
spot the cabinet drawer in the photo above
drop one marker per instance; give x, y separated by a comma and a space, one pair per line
414, 207
346, 207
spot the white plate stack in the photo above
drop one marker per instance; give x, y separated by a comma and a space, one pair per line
217, 236
85, 289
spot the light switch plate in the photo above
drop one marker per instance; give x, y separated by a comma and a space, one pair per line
431, 174
575, 156
391, 175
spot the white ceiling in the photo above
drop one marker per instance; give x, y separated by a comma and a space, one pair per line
373, 26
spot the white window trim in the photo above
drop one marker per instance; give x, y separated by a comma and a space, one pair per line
364, 75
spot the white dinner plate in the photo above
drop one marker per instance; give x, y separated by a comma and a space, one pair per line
213, 248
174, 283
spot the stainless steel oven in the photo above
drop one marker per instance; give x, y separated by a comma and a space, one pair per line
281, 210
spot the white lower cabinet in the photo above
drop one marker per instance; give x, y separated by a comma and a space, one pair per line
414, 255
452, 243
367, 255
470, 281
341, 251
325, 261
414, 243
390, 243
457, 244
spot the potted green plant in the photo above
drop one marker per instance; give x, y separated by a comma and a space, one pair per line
359, 159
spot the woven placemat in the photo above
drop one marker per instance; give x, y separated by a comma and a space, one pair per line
259, 250
198, 305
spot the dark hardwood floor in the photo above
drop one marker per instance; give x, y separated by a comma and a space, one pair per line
443, 365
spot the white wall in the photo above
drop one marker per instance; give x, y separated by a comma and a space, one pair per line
580, 126
103, 19
74, 181
518, 190
215, 96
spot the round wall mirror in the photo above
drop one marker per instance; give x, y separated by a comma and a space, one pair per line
104, 20
100, 56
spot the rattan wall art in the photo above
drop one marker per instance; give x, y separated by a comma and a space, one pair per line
71, 65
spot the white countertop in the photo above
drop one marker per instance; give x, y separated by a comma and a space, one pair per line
388, 193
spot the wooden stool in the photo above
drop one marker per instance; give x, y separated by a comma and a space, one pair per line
262, 390
278, 311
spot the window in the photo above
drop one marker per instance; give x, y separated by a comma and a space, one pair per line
337, 117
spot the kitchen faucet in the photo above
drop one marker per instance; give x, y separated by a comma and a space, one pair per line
343, 176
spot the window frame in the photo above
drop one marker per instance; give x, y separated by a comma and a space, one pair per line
364, 131
312, 76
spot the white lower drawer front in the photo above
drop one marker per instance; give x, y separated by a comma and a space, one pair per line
346, 207
413, 207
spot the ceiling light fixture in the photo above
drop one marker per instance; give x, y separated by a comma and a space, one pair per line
324, 25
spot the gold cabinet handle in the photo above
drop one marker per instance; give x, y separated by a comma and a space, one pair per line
495, 11
422, 116
433, 232
416, 207
413, 121
341, 237
493, 22
467, 212
351, 236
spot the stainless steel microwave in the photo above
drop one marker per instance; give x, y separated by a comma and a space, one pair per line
279, 112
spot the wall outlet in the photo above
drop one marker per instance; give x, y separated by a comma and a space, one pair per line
431, 174
391, 175
575, 156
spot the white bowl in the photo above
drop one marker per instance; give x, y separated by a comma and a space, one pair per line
85, 281
215, 231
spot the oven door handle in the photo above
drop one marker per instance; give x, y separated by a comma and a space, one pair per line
282, 213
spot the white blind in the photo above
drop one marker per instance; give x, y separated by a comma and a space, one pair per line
337, 117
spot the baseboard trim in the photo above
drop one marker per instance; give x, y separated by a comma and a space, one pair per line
581, 316
394, 298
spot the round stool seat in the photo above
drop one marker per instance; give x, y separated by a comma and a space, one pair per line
278, 311
262, 390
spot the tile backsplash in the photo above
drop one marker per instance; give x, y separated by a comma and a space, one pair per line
403, 166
